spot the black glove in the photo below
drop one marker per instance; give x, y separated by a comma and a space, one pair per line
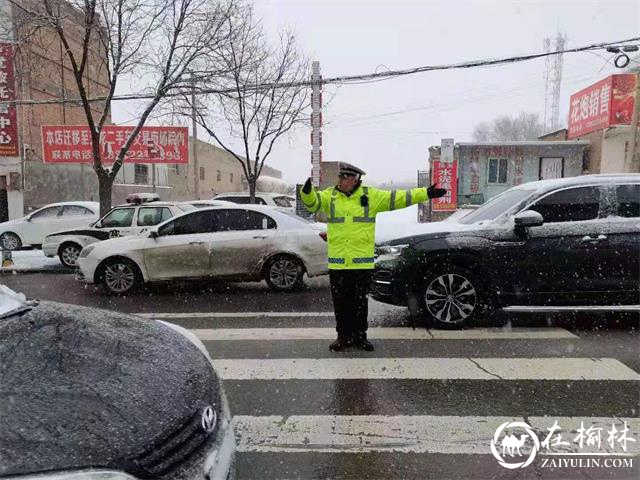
434, 192
307, 186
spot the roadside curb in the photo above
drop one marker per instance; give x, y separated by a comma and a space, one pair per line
52, 269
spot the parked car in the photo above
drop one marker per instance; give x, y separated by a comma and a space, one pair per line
33, 228
239, 243
93, 394
141, 212
560, 243
262, 198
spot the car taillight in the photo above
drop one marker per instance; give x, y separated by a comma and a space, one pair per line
323, 235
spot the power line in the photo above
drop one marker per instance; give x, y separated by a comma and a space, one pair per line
365, 120
342, 80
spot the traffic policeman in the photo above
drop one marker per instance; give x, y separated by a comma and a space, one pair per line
351, 210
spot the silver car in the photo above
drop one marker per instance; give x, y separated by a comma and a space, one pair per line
235, 243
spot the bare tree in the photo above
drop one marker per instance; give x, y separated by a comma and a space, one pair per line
157, 41
260, 95
525, 126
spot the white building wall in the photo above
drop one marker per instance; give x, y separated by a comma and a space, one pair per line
614, 148
15, 198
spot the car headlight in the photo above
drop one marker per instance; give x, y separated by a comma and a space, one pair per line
390, 250
86, 251
82, 475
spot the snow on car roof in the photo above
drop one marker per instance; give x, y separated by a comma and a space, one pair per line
220, 196
156, 203
284, 218
580, 180
89, 205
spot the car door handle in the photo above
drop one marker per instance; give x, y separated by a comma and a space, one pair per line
196, 243
589, 239
259, 236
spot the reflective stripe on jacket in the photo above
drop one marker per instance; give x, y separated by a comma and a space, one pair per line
351, 227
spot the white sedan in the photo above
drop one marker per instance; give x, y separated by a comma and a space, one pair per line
132, 218
235, 243
33, 228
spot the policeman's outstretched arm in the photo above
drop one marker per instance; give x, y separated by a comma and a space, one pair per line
312, 199
386, 200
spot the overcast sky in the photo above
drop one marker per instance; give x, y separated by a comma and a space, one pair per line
387, 127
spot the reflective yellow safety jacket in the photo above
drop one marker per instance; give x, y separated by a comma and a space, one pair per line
352, 226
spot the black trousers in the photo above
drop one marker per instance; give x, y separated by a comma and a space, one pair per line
349, 290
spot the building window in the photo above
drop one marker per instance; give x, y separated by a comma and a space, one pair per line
201, 173
497, 170
231, 177
219, 177
140, 174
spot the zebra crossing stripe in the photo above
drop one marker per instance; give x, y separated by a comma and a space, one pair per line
410, 434
426, 369
169, 316
383, 333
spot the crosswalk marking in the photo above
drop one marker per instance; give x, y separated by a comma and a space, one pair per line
426, 368
168, 316
257, 432
405, 434
382, 333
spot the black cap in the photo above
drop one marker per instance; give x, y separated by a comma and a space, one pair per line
348, 169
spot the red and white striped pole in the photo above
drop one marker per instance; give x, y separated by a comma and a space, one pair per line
316, 124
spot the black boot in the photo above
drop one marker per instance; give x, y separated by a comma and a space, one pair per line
360, 341
339, 344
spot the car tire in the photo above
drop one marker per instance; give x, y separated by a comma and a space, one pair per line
68, 254
120, 276
452, 297
284, 273
10, 241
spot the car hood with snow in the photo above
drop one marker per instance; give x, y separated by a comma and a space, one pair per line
86, 388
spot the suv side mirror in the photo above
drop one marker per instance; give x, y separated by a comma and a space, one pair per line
528, 218
153, 234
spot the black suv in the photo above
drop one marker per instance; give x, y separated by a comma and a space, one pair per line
552, 244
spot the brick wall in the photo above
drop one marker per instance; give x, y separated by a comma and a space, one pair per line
43, 73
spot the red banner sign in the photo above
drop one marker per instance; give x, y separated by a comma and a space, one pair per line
72, 144
445, 174
603, 104
8, 117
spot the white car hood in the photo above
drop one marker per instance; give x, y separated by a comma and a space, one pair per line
394, 232
10, 300
119, 244
9, 223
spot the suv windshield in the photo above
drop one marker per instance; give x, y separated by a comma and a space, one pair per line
497, 206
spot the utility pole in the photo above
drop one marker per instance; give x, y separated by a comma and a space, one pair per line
194, 143
631, 163
316, 124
